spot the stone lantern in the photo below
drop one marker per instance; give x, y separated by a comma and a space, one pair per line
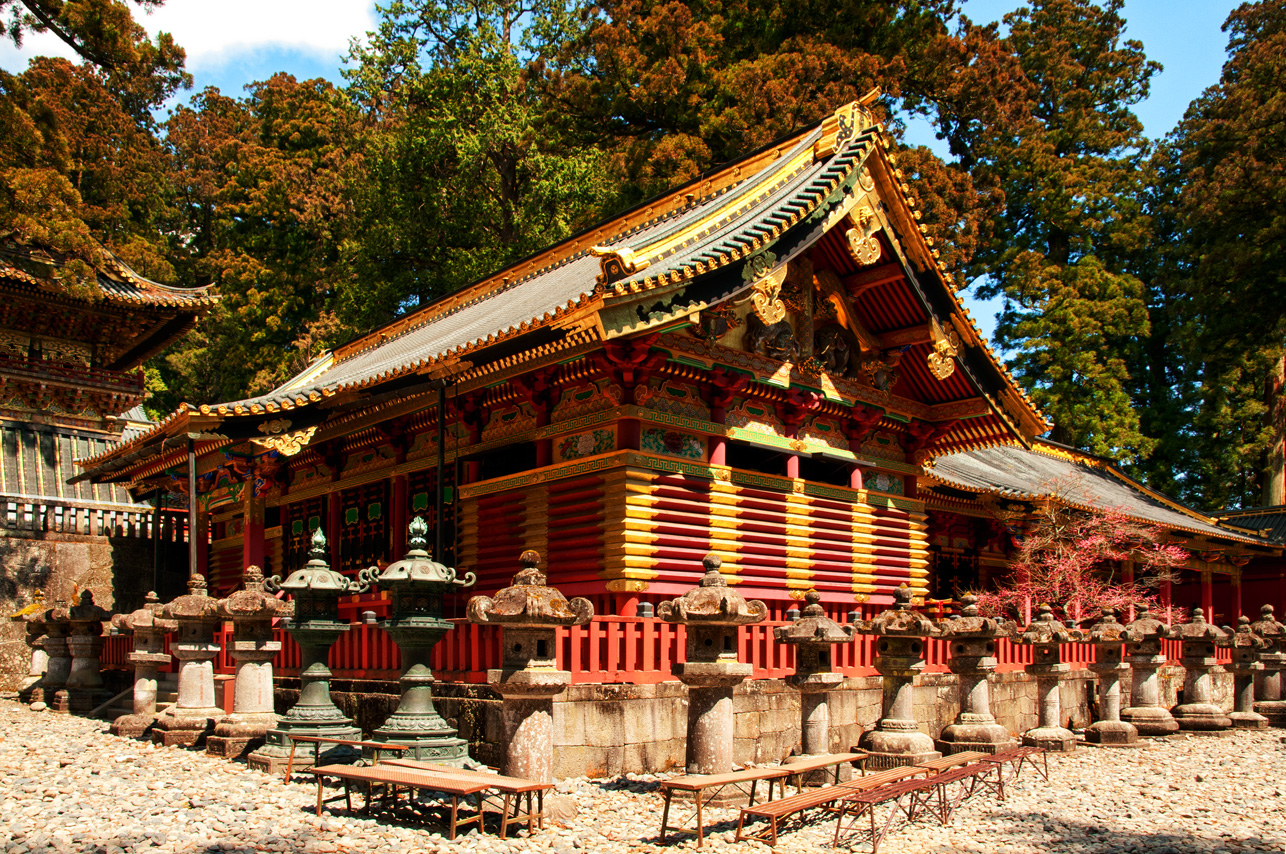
1198, 712
32, 618
1046, 637
711, 612
416, 585
196, 618
972, 640
1272, 699
252, 611
1109, 730
529, 612
1246, 646
149, 629
901, 635
315, 590
58, 667
1144, 635
85, 644
813, 635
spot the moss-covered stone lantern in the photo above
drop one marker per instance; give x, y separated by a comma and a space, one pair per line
1046, 636
315, 590
416, 586
58, 667
901, 635
1271, 696
191, 719
149, 629
1109, 637
1198, 712
1246, 646
252, 611
973, 638
1144, 635
814, 636
712, 613
529, 612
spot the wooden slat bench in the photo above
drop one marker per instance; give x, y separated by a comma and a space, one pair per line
705, 787
912, 797
1015, 757
936, 766
835, 762
511, 790
375, 746
393, 779
778, 812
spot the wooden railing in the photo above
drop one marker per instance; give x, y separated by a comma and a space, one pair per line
629, 650
93, 518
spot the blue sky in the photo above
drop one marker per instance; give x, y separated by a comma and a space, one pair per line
233, 42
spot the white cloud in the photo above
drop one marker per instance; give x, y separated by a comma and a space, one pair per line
216, 32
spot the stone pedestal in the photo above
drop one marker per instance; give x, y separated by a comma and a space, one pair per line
1143, 652
1109, 730
1246, 646
85, 645
32, 618
416, 585
149, 629
901, 634
252, 611
529, 612
192, 718
1271, 699
315, 626
1047, 636
813, 635
973, 659
53, 686
712, 612
1198, 712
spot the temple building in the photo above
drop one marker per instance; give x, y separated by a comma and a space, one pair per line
71, 387
768, 363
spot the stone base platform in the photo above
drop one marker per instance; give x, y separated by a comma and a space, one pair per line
133, 726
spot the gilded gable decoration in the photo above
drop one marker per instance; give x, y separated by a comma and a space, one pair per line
862, 238
766, 278
946, 344
616, 264
282, 441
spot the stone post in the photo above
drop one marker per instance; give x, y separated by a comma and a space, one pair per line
1143, 648
813, 635
85, 643
252, 611
1246, 646
53, 686
33, 619
315, 625
1046, 636
901, 634
196, 617
711, 612
1109, 730
1271, 703
972, 640
529, 612
149, 629
416, 585
1197, 712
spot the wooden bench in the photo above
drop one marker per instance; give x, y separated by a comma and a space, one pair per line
972, 779
912, 797
705, 787
937, 766
512, 791
375, 746
779, 811
393, 779
800, 768
1015, 757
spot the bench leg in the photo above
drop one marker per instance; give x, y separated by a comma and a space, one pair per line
665, 813
455, 811
319, 794
504, 816
290, 762
700, 826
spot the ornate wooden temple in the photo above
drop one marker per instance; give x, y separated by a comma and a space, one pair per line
761, 363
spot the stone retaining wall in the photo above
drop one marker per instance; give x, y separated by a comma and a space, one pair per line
603, 730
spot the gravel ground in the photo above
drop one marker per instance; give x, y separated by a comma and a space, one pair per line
68, 786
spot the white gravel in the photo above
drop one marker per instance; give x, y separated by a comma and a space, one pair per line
68, 786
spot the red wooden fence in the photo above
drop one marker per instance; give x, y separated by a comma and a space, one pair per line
631, 650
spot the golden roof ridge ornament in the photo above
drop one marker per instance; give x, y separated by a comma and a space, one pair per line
616, 263
844, 124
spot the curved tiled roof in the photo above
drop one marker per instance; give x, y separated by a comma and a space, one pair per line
116, 280
1075, 479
